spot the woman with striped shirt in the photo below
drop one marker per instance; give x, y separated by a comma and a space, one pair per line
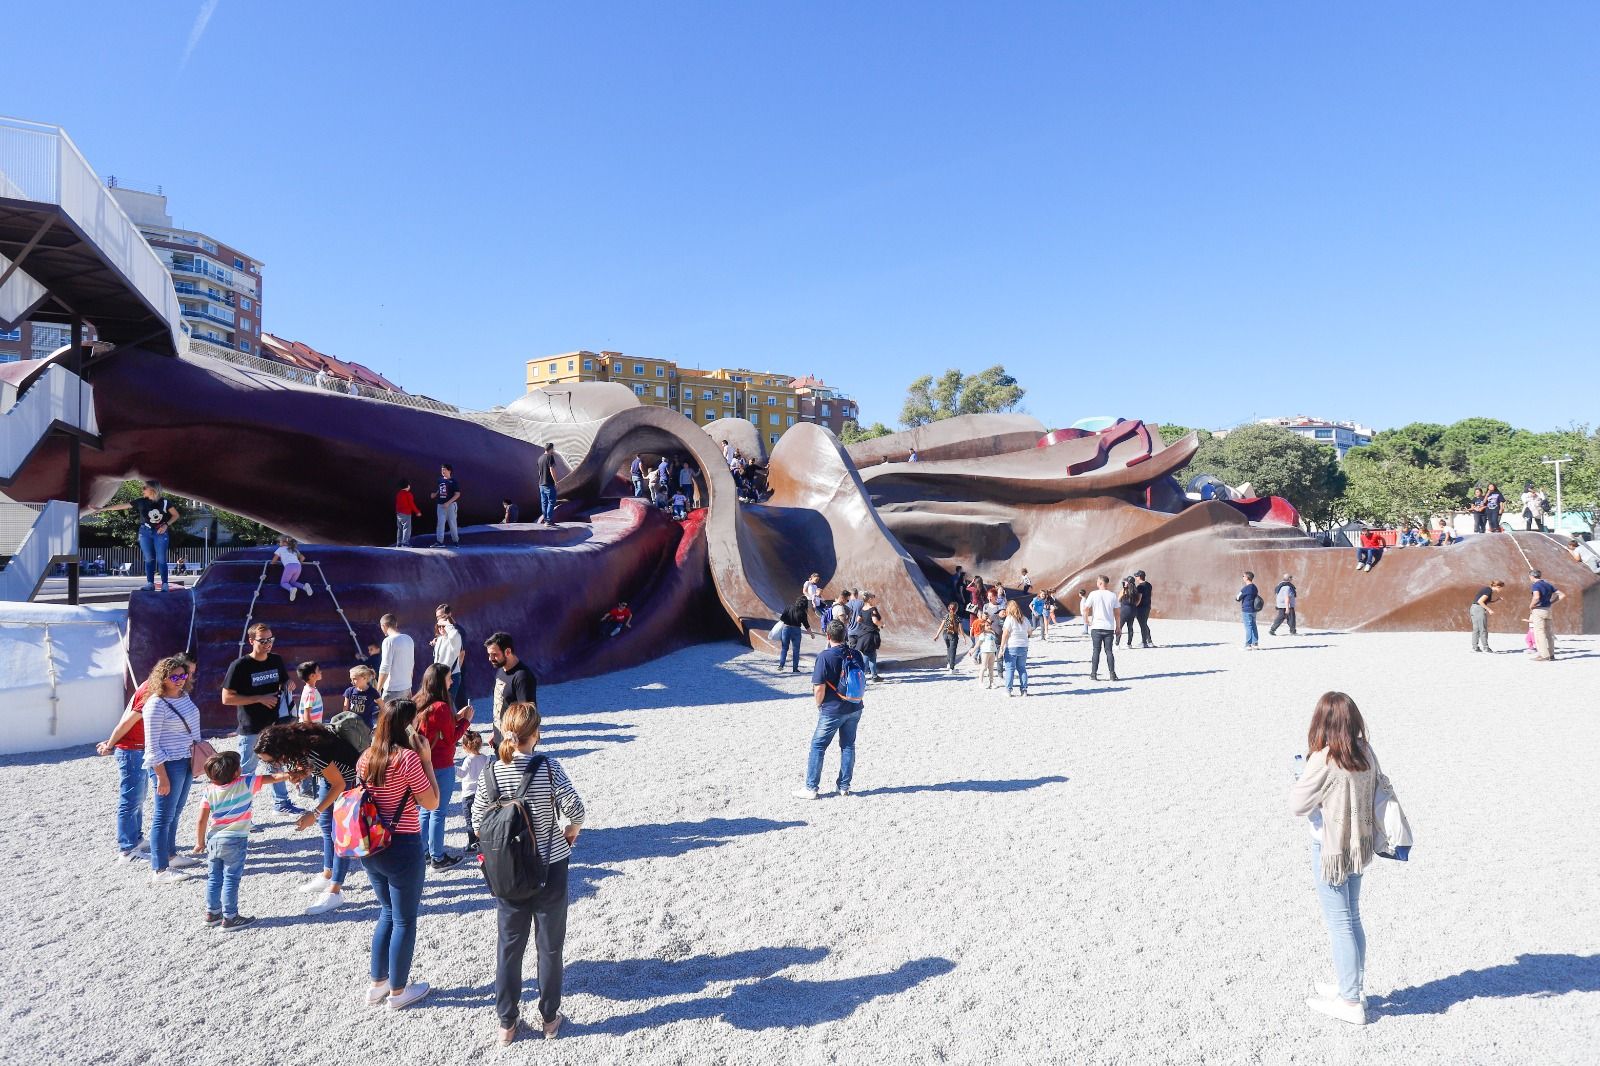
550, 798
311, 750
171, 727
398, 773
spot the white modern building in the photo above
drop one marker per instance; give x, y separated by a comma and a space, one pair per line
1340, 436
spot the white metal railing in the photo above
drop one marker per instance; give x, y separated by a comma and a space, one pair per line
41, 163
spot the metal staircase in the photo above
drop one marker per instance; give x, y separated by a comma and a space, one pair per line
56, 400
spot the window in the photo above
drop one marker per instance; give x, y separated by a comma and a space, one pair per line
711, 416
772, 419
727, 397
638, 370
552, 368
588, 364
246, 325
661, 371
1324, 434
791, 403
772, 401
825, 411
238, 264
10, 357
706, 394
244, 302
534, 371
244, 346
791, 420
572, 364
12, 334
773, 437
638, 390
661, 392
688, 412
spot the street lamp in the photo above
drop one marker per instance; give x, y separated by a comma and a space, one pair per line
1547, 461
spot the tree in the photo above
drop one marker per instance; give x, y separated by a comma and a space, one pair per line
1419, 443
954, 393
245, 530
1277, 462
852, 432
1382, 488
1171, 432
1516, 460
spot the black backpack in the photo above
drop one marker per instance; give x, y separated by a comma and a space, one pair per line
512, 865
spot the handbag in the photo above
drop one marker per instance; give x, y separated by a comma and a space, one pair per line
1393, 827
200, 751
776, 633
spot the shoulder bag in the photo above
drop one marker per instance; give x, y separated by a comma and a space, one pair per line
200, 751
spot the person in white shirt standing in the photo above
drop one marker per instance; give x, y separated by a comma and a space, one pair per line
397, 665
1103, 611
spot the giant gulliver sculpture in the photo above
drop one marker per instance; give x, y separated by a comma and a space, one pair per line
991, 493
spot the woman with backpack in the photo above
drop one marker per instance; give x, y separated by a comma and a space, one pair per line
309, 750
443, 726
396, 774
870, 638
540, 787
1337, 792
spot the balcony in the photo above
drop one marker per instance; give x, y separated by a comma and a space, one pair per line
219, 317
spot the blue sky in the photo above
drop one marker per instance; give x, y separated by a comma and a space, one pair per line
1183, 212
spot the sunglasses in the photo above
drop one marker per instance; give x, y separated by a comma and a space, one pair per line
177, 677
264, 640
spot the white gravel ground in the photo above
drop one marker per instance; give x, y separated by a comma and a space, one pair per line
1099, 873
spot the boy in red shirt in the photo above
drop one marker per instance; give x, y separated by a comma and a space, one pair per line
617, 619
405, 508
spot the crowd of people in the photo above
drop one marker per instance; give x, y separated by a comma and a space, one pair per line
379, 774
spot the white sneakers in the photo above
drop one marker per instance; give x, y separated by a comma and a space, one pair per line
169, 876
408, 995
183, 860
326, 902
315, 884
308, 590
377, 993
804, 793
1334, 1007
292, 594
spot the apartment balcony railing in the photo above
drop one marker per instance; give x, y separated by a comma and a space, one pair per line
210, 316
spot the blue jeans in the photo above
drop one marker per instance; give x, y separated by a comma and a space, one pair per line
638, 486
396, 874
1251, 637
153, 546
445, 517
791, 639
547, 502
1341, 912
223, 873
130, 797
164, 822
248, 763
433, 821
1016, 666
331, 860
827, 725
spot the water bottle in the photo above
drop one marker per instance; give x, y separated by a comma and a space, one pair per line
1297, 767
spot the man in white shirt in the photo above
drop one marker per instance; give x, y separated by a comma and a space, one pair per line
1103, 613
397, 666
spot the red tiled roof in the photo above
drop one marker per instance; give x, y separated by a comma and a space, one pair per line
306, 357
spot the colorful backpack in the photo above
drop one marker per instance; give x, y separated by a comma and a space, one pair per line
852, 687
359, 827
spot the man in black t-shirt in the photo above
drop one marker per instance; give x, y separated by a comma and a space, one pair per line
513, 680
258, 685
446, 496
1141, 607
547, 485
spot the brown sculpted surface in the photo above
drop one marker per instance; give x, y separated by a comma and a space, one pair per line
990, 493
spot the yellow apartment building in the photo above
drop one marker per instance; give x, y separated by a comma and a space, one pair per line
767, 399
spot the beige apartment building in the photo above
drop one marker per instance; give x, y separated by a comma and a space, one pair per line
767, 399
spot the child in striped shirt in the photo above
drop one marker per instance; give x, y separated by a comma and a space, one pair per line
310, 698
225, 828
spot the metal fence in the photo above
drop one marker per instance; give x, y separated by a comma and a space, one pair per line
111, 560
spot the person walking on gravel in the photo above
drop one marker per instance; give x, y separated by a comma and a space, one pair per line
1142, 609
1545, 597
838, 684
1284, 598
1101, 613
1014, 636
1249, 599
950, 632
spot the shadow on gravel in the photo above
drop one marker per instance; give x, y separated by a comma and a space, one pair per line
654, 841
1296, 647
1530, 975
1019, 785
780, 1002
659, 979
1175, 673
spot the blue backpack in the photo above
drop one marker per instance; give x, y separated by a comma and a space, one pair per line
852, 686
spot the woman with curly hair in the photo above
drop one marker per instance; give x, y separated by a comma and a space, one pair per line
171, 728
308, 749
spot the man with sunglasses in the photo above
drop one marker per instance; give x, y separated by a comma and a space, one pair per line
257, 684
